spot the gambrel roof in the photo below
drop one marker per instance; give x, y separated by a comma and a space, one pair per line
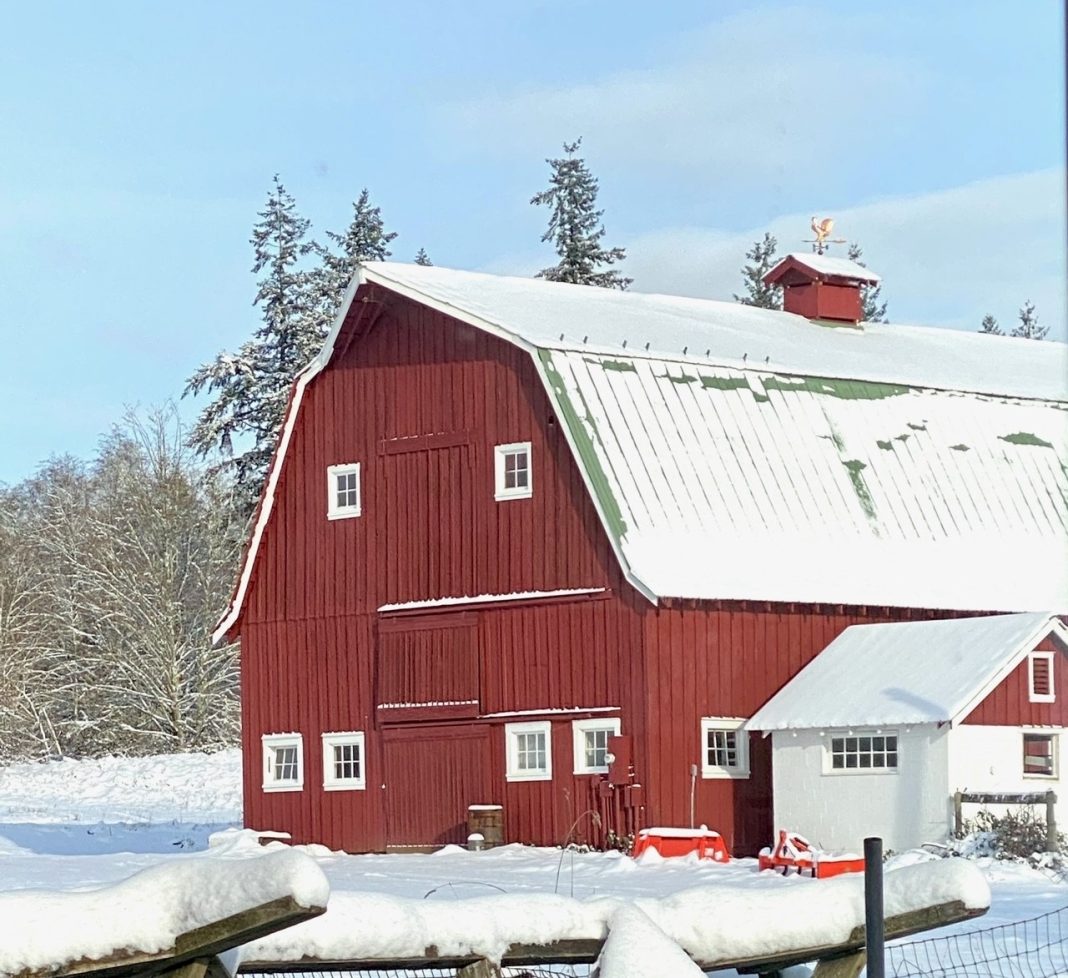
743, 453
906, 672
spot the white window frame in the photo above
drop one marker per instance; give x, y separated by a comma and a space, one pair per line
333, 511
511, 750
1054, 748
271, 742
1034, 697
579, 729
344, 739
500, 453
828, 752
740, 770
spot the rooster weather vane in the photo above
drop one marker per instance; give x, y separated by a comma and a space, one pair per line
822, 228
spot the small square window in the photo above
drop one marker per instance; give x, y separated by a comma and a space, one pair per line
283, 762
513, 478
1040, 755
343, 491
591, 744
528, 748
863, 752
724, 748
1040, 677
343, 762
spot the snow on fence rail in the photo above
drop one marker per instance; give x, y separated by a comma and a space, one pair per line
1047, 798
159, 920
718, 926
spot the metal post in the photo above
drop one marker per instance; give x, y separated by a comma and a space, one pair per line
873, 907
1051, 822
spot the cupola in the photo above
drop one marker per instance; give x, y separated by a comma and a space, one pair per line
821, 287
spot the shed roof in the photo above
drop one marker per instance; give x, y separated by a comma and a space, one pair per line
905, 673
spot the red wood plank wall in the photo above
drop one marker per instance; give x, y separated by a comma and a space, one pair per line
420, 401
1009, 705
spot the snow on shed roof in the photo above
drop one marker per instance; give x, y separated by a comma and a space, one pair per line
905, 673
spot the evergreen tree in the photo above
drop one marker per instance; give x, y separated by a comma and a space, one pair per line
251, 387
871, 309
990, 325
575, 226
761, 261
1029, 327
365, 239
422, 258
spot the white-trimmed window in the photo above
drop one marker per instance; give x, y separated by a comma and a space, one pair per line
513, 478
591, 744
862, 752
1040, 677
343, 491
1039, 755
283, 762
724, 748
343, 762
528, 748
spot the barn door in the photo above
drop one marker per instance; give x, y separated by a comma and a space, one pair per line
432, 775
753, 803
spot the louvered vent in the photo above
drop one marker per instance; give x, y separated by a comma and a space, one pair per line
1041, 677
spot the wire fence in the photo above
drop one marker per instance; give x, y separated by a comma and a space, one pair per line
1035, 948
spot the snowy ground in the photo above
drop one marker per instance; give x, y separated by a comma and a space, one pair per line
75, 825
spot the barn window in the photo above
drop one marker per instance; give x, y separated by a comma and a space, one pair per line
725, 748
513, 477
529, 751
343, 762
283, 762
343, 491
591, 744
1040, 677
1040, 755
863, 751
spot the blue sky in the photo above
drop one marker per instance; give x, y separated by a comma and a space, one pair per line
139, 141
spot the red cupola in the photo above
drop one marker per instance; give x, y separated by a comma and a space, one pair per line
821, 287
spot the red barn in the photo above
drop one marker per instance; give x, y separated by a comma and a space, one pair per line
546, 547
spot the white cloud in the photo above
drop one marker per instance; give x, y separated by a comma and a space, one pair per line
946, 257
769, 94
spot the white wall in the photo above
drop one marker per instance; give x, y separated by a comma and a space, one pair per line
991, 759
839, 810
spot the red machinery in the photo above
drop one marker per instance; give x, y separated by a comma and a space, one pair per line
795, 853
681, 842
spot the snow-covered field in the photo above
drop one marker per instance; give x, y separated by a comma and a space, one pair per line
76, 825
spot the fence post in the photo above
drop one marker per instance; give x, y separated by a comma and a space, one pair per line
1051, 822
874, 935
958, 814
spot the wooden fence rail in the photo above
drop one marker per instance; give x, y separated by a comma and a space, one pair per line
1047, 798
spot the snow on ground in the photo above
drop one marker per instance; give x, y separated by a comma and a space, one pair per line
77, 825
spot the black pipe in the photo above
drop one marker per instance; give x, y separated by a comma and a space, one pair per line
874, 932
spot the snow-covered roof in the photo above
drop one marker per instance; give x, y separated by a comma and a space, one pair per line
905, 673
743, 453
829, 265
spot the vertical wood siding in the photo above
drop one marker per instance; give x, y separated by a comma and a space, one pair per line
1009, 705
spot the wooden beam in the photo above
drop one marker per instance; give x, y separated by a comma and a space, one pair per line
587, 951
202, 944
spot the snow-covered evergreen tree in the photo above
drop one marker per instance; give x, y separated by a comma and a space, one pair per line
1029, 327
422, 258
250, 388
761, 261
990, 325
365, 239
575, 227
871, 309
